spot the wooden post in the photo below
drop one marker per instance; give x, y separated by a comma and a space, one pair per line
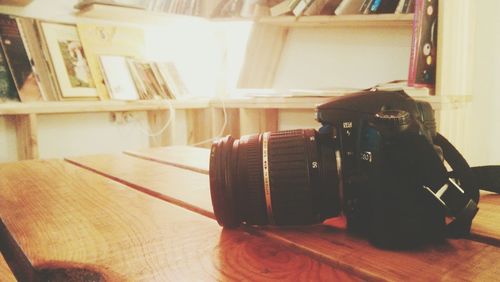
157, 121
27, 139
263, 55
258, 120
199, 127
455, 64
232, 122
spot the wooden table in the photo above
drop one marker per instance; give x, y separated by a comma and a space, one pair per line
147, 216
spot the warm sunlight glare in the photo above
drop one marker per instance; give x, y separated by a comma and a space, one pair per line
209, 57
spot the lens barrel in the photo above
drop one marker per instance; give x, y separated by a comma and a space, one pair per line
279, 178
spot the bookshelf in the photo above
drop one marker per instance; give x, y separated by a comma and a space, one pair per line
264, 51
133, 15
310, 103
25, 115
380, 20
62, 107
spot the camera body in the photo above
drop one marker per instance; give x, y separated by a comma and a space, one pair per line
385, 157
377, 159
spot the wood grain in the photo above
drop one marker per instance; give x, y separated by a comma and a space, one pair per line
70, 223
454, 260
192, 158
333, 245
485, 227
5, 273
172, 184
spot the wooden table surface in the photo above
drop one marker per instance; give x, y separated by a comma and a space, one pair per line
147, 216
5, 273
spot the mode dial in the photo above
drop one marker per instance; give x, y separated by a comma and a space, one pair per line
394, 119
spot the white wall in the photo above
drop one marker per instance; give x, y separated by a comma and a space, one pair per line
483, 123
82, 134
357, 57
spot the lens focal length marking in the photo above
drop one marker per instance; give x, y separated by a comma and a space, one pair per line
267, 183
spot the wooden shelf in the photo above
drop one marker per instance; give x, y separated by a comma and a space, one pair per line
97, 106
16, 2
270, 102
380, 20
132, 15
437, 102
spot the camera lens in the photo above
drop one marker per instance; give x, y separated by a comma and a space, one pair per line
277, 178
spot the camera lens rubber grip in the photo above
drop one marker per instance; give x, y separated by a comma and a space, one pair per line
290, 179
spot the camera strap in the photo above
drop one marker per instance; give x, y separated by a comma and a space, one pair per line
464, 202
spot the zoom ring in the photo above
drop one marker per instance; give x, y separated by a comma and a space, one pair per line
290, 178
252, 200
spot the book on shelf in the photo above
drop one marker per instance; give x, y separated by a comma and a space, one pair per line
301, 7
105, 39
382, 6
228, 8
423, 54
134, 79
138, 4
173, 80
254, 8
8, 91
284, 7
145, 78
34, 44
118, 78
15, 2
139, 84
365, 7
321, 7
405, 7
187, 7
18, 60
349, 7
68, 62
239, 8
161, 81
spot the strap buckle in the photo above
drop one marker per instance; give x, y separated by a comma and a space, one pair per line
452, 197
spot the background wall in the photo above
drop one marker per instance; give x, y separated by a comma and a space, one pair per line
350, 57
483, 125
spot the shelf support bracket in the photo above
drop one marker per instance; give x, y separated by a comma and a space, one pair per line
27, 137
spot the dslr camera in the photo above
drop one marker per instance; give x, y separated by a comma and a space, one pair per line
377, 160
